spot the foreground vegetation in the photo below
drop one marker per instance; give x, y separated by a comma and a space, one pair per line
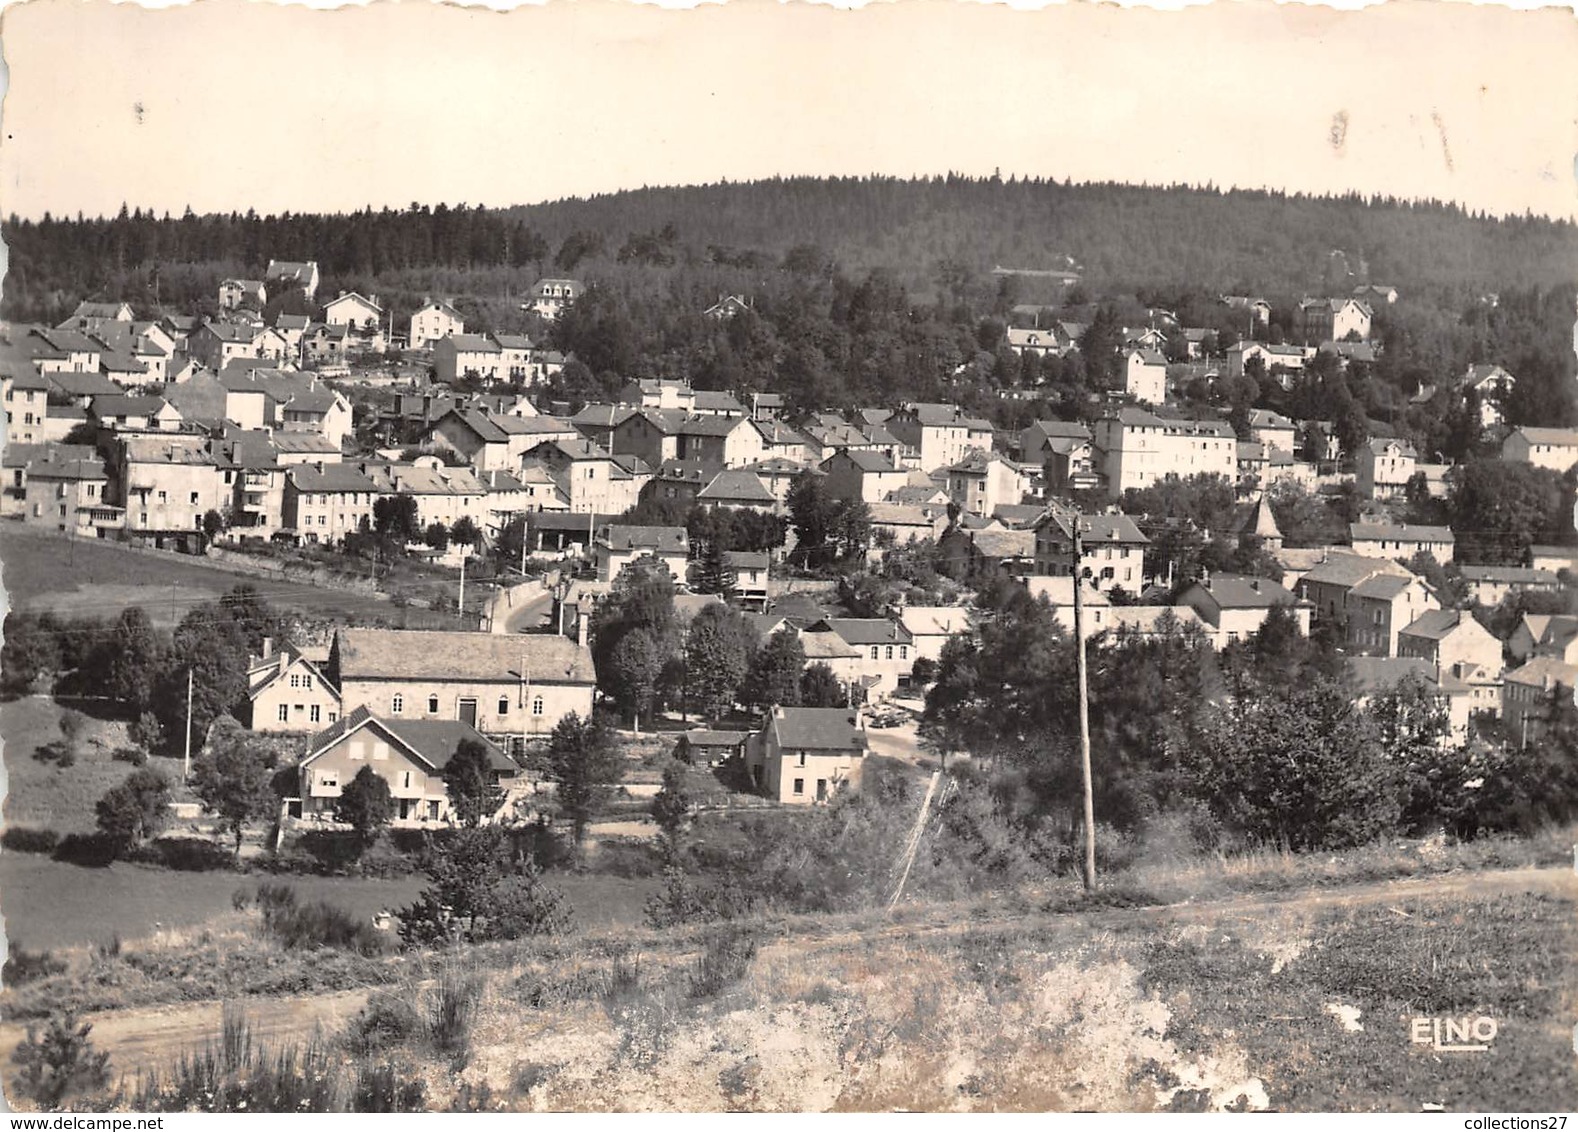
1115, 1010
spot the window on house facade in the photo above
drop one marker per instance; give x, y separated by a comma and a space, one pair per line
536, 706
397, 704
873, 652
799, 786
314, 713
432, 705
889, 654
504, 705
284, 713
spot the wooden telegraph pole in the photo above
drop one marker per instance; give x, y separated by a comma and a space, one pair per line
1084, 712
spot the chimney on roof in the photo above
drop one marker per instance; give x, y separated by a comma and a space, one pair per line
1254, 584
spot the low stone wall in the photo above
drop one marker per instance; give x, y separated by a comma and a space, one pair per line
285, 570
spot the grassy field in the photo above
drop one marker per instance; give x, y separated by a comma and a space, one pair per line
44, 795
100, 578
52, 904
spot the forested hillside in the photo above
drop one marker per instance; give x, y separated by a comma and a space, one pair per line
938, 237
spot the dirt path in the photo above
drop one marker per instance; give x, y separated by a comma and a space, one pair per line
152, 1037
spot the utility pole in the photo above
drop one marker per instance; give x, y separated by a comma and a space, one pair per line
462, 589
186, 764
1084, 712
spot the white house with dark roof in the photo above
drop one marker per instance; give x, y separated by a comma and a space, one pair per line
737, 488
408, 754
1492, 384
1553, 448
1446, 637
1145, 376
1401, 540
237, 293
289, 693
1133, 448
1233, 607
1385, 464
324, 502
550, 297
807, 756
858, 474
939, 434
434, 321
1328, 320
1530, 693
502, 684
463, 355
288, 273
1113, 546
1378, 608
618, 545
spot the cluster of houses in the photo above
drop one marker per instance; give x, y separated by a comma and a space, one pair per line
175, 419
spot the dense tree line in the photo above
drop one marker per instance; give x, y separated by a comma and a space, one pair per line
1264, 742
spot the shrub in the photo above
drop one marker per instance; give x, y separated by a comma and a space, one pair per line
24, 966
134, 755
524, 906
389, 1019
319, 924
60, 1063
726, 958
185, 854
387, 1088
683, 902
21, 839
87, 850
147, 732
452, 1012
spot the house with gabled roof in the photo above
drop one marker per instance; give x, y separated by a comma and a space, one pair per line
551, 297
1530, 636
1491, 585
778, 475
739, 488
1385, 464
619, 544
26, 395
727, 307
1446, 637
861, 474
1233, 607
70, 494
432, 322
504, 685
234, 294
751, 569
779, 441
289, 693
1378, 608
1145, 376
593, 481
1530, 693
983, 481
215, 344
808, 756
1113, 546
940, 434
462, 355
291, 274
1328, 320
408, 754
1327, 583
1553, 448
906, 522
324, 502
932, 626
119, 312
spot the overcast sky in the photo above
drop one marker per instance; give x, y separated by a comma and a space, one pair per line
227, 105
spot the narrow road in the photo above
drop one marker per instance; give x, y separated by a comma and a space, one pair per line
531, 617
